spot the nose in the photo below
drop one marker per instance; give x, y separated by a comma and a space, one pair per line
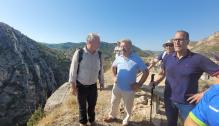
177, 42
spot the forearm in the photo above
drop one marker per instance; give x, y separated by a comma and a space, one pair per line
73, 69
101, 77
160, 77
114, 70
143, 77
73, 84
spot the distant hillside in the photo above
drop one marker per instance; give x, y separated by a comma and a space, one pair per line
106, 48
65, 46
152, 53
207, 46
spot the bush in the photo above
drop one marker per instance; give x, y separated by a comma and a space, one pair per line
36, 116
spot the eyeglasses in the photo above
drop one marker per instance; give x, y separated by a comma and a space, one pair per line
169, 44
178, 40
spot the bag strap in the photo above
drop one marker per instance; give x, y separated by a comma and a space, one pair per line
80, 56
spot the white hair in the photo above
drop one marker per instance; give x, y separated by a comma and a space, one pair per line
92, 36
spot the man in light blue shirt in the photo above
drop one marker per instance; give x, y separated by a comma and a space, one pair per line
125, 69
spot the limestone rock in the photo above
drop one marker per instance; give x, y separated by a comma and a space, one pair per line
26, 78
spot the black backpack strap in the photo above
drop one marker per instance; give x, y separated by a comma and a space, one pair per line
100, 53
80, 57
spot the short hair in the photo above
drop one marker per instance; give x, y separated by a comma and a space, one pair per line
92, 36
126, 41
185, 33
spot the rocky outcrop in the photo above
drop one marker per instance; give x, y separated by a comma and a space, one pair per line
57, 97
26, 79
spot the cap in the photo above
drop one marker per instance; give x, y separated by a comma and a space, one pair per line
168, 43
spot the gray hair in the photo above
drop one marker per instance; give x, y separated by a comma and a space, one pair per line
126, 41
92, 36
185, 33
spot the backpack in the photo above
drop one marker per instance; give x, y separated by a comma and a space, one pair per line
80, 57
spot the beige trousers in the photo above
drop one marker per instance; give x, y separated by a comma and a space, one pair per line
128, 100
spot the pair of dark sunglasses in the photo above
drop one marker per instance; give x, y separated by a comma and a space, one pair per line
168, 44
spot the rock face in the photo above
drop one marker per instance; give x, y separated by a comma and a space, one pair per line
26, 79
57, 97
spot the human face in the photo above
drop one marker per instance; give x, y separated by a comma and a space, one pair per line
126, 48
93, 44
169, 47
180, 42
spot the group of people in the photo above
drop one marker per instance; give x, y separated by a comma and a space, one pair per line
181, 68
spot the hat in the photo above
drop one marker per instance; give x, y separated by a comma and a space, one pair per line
167, 43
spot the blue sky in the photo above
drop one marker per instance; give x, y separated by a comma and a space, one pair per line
148, 23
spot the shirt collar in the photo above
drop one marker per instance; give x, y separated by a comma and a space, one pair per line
188, 54
128, 56
86, 51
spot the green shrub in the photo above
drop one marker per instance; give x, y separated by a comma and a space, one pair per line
36, 116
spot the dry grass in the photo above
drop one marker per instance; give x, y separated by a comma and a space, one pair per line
68, 107
66, 114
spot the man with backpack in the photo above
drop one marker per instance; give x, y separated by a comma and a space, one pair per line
86, 68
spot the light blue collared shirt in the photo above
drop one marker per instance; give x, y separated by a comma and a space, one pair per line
127, 70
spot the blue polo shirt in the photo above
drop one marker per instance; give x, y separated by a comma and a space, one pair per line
182, 75
127, 69
206, 112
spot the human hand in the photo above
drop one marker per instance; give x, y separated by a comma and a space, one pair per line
153, 84
101, 87
74, 90
195, 97
135, 86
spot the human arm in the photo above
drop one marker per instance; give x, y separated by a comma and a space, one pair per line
190, 122
143, 78
73, 72
145, 72
161, 76
153, 63
207, 66
101, 75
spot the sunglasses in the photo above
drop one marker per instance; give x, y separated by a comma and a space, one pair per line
170, 45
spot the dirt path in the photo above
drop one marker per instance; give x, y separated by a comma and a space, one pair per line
66, 113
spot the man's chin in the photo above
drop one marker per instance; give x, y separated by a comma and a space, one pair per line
177, 49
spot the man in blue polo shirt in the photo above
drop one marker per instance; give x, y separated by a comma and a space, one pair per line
206, 112
182, 69
125, 69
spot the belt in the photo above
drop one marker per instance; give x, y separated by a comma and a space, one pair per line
79, 84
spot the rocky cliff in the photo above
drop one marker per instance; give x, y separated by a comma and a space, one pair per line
26, 76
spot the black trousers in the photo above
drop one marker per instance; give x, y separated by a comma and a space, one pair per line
87, 98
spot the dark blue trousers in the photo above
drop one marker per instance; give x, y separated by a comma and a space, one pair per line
174, 109
87, 98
